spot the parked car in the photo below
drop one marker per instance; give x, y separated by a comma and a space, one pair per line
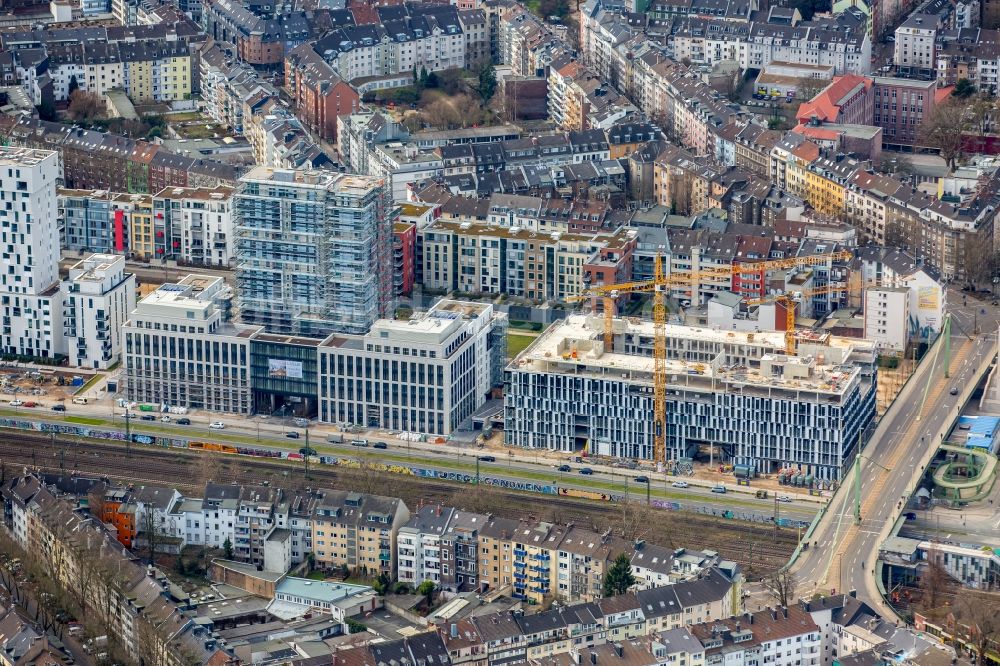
487, 458
359, 442
148, 417
58, 408
217, 425
784, 498
184, 421
910, 515
292, 435
564, 468
31, 403
642, 479
380, 445
586, 471
165, 418
680, 484
16, 403
719, 489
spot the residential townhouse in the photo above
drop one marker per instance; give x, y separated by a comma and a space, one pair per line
143, 616
357, 531
418, 545
406, 39
260, 42
525, 42
319, 95
781, 636
104, 161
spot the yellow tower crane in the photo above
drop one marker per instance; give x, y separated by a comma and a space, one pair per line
659, 285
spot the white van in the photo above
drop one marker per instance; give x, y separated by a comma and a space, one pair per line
79, 401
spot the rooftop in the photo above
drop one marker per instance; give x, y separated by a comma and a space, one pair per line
744, 360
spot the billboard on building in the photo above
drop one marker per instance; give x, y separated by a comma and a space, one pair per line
928, 298
284, 369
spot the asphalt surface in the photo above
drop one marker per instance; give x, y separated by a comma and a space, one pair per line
842, 555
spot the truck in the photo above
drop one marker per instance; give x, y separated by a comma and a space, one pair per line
335, 439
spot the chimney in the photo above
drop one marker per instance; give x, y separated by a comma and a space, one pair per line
749, 617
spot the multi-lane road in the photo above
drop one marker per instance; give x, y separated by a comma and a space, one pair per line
842, 555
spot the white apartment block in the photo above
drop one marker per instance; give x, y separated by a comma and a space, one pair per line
369, 51
220, 510
200, 220
427, 374
180, 351
97, 298
887, 317
914, 47
30, 302
418, 545
721, 385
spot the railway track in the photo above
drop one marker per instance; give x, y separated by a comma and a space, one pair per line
758, 548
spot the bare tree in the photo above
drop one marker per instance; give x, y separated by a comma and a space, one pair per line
945, 129
977, 616
95, 500
636, 518
153, 532
84, 106
935, 580
781, 585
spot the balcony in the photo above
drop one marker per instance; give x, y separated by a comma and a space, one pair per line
520, 552
542, 557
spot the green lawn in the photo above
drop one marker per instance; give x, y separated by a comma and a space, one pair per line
90, 382
517, 343
83, 420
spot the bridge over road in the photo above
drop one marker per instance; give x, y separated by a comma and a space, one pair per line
843, 554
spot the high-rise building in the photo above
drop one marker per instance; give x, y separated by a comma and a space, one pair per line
98, 296
30, 302
313, 251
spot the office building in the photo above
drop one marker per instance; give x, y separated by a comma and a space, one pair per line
313, 249
427, 374
97, 298
181, 350
738, 393
30, 302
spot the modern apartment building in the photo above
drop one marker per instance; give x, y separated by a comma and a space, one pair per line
197, 224
30, 301
313, 250
97, 298
426, 374
720, 384
487, 259
180, 348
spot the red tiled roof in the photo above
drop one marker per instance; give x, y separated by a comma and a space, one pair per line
826, 105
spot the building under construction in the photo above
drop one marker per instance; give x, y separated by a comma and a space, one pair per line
737, 396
